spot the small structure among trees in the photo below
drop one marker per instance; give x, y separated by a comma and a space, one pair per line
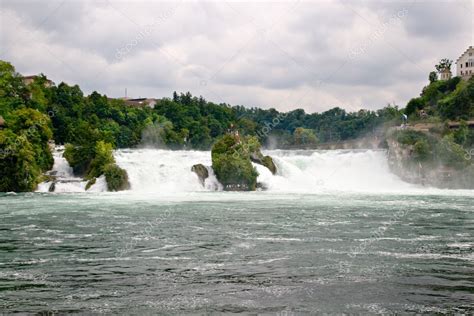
444, 69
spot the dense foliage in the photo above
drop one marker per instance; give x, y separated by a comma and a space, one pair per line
434, 149
447, 99
273, 127
182, 121
116, 177
91, 164
24, 150
231, 163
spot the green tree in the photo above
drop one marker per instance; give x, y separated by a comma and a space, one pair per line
304, 136
444, 63
460, 136
414, 105
19, 170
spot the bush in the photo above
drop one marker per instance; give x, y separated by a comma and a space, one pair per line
116, 177
89, 161
24, 150
410, 137
304, 136
94, 161
460, 103
461, 134
19, 170
414, 105
421, 150
79, 158
451, 154
231, 162
102, 157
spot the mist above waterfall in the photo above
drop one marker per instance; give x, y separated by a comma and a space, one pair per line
154, 135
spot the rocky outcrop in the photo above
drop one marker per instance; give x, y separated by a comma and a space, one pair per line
404, 161
90, 183
232, 165
201, 171
116, 178
52, 187
267, 161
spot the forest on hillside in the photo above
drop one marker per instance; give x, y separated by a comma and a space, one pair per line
36, 113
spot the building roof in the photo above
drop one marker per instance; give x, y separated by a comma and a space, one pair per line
139, 102
35, 77
134, 103
2, 121
467, 50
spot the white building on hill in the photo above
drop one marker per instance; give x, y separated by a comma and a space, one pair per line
465, 64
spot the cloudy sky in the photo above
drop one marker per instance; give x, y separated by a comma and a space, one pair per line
289, 54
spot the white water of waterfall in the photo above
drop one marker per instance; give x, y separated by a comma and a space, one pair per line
299, 171
65, 179
332, 170
164, 171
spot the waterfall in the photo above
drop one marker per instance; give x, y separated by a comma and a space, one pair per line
164, 171
65, 181
331, 170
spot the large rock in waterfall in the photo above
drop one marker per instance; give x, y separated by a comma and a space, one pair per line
267, 161
232, 158
201, 172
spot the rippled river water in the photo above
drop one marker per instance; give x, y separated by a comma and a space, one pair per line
208, 252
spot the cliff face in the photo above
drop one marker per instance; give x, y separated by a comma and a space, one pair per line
403, 162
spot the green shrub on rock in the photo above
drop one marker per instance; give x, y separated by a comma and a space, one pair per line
253, 146
409, 137
201, 171
268, 162
79, 158
102, 158
91, 164
232, 165
89, 161
451, 154
421, 150
116, 177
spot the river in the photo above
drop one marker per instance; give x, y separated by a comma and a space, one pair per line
335, 232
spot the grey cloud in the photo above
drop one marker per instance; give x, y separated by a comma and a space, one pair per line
439, 19
284, 54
